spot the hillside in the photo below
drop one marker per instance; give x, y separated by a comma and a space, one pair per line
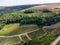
10, 9
4, 9
49, 6
30, 24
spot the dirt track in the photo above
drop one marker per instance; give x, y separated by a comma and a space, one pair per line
56, 41
47, 6
57, 25
19, 35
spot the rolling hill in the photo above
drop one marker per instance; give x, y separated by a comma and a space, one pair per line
37, 24
4, 9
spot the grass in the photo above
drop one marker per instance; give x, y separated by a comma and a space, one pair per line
50, 37
9, 41
36, 34
58, 43
47, 39
22, 30
48, 30
36, 13
12, 41
26, 29
14, 29
9, 28
2, 40
24, 38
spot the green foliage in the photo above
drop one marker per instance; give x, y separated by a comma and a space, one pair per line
36, 34
28, 11
46, 11
41, 19
46, 40
25, 19
58, 43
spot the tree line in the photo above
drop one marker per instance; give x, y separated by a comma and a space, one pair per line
24, 19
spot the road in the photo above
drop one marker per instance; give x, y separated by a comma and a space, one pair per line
55, 41
19, 35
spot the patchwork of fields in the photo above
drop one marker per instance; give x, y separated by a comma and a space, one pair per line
39, 24
15, 33
58, 43
9, 41
27, 32
14, 29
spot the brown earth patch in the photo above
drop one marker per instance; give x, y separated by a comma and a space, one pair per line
57, 25
49, 6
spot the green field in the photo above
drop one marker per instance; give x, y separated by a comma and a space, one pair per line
15, 29
9, 41
29, 23
8, 29
36, 34
48, 30
35, 13
58, 43
2, 41
25, 39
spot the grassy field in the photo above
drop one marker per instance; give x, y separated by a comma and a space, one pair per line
2, 41
25, 38
36, 34
9, 28
12, 41
9, 41
36, 13
58, 43
14, 29
48, 30
47, 39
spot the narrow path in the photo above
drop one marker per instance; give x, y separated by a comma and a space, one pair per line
20, 38
56, 25
28, 37
56, 41
28, 25
19, 34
